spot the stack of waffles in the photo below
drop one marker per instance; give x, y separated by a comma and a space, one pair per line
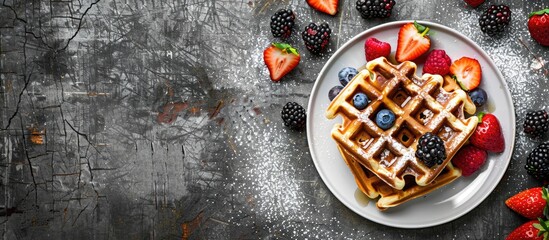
383, 161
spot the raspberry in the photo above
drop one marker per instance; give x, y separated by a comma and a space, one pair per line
316, 38
294, 116
536, 123
282, 23
375, 48
430, 150
495, 19
469, 159
437, 62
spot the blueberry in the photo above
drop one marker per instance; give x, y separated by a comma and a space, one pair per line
385, 119
360, 101
346, 75
334, 92
478, 96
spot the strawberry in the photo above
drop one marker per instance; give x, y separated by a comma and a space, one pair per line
438, 62
530, 203
375, 48
325, 6
280, 59
474, 3
467, 73
538, 26
488, 135
469, 159
530, 230
412, 42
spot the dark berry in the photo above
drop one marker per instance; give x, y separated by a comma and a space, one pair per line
375, 8
537, 163
430, 150
334, 92
495, 19
360, 101
536, 123
282, 23
385, 119
316, 37
479, 97
294, 116
346, 75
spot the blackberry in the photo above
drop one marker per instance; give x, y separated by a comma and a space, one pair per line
495, 19
294, 116
536, 123
375, 8
316, 37
430, 150
537, 163
282, 23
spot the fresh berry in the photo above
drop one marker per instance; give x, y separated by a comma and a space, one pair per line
325, 6
294, 116
346, 75
412, 42
488, 135
474, 3
495, 19
467, 73
385, 119
469, 159
316, 38
360, 101
536, 123
437, 62
430, 150
334, 92
529, 203
478, 96
375, 8
375, 48
538, 26
282, 23
280, 59
529, 231
537, 163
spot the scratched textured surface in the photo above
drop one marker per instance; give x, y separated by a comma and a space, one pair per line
155, 119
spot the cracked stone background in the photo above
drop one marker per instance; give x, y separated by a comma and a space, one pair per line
156, 119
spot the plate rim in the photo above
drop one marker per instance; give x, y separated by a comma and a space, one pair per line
490, 62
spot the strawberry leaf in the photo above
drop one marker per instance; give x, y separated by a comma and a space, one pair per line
480, 116
421, 29
286, 48
541, 12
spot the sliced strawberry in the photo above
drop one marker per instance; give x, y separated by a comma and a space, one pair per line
325, 6
467, 73
412, 42
280, 59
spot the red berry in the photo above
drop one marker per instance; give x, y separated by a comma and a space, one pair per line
528, 203
375, 48
538, 26
525, 231
474, 3
437, 62
488, 135
469, 159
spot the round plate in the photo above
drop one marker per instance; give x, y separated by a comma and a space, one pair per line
444, 204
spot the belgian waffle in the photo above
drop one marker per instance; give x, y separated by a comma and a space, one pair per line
421, 105
373, 187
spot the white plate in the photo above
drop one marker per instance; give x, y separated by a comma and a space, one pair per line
442, 205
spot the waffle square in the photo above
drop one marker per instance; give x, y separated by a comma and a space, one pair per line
420, 104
